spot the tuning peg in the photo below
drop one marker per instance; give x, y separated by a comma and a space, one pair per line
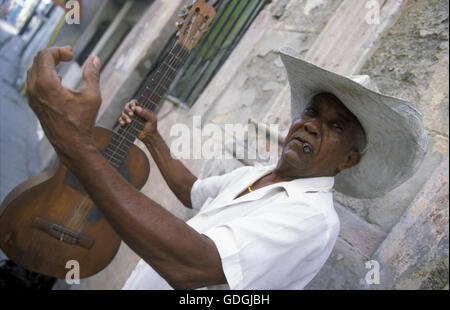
183, 15
188, 7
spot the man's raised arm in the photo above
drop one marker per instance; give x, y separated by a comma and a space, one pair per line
182, 256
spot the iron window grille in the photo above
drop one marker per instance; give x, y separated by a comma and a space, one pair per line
233, 18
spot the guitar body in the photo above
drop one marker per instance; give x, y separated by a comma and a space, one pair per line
49, 220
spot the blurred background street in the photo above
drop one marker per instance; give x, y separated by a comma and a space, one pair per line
18, 125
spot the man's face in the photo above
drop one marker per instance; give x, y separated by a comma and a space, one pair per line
321, 139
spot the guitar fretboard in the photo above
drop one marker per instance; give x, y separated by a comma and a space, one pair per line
150, 98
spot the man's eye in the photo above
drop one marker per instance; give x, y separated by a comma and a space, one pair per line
338, 126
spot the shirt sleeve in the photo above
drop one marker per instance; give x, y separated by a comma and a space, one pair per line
210, 187
271, 249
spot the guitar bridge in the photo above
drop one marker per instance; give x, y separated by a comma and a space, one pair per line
63, 234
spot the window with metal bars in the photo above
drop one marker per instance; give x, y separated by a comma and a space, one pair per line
232, 20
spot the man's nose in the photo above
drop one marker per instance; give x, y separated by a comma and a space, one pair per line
312, 127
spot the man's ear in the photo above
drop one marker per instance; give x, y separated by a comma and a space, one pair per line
352, 159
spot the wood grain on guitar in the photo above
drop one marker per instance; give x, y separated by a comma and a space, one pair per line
49, 219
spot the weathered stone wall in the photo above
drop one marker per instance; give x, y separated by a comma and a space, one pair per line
412, 63
415, 254
261, 75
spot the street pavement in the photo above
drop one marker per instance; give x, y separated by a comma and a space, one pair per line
18, 124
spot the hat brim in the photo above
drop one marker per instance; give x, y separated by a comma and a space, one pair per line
397, 140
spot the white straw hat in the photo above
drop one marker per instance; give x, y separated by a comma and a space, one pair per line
396, 138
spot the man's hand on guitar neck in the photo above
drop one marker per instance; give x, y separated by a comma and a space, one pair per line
176, 175
67, 116
151, 122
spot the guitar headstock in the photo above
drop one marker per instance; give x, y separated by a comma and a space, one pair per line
198, 17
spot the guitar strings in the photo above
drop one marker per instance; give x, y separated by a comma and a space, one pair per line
124, 136
182, 52
173, 58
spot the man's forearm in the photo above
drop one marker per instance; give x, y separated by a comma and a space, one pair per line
177, 176
165, 242
185, 258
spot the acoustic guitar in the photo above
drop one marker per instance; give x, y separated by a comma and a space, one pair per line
50, 220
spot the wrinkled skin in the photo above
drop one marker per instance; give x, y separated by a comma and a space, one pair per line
329, 130
67, 116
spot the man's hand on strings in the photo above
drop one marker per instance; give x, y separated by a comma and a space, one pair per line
67, 116
150, 128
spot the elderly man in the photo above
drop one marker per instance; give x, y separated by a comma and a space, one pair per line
256, 228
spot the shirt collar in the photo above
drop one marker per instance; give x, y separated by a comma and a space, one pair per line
301, 185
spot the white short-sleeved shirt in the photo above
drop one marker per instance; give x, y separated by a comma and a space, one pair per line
276, 237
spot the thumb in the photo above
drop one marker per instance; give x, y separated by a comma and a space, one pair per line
91, 75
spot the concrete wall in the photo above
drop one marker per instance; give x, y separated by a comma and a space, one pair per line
415, 254
412, 63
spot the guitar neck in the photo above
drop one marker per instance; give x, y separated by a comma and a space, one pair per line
150, 98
